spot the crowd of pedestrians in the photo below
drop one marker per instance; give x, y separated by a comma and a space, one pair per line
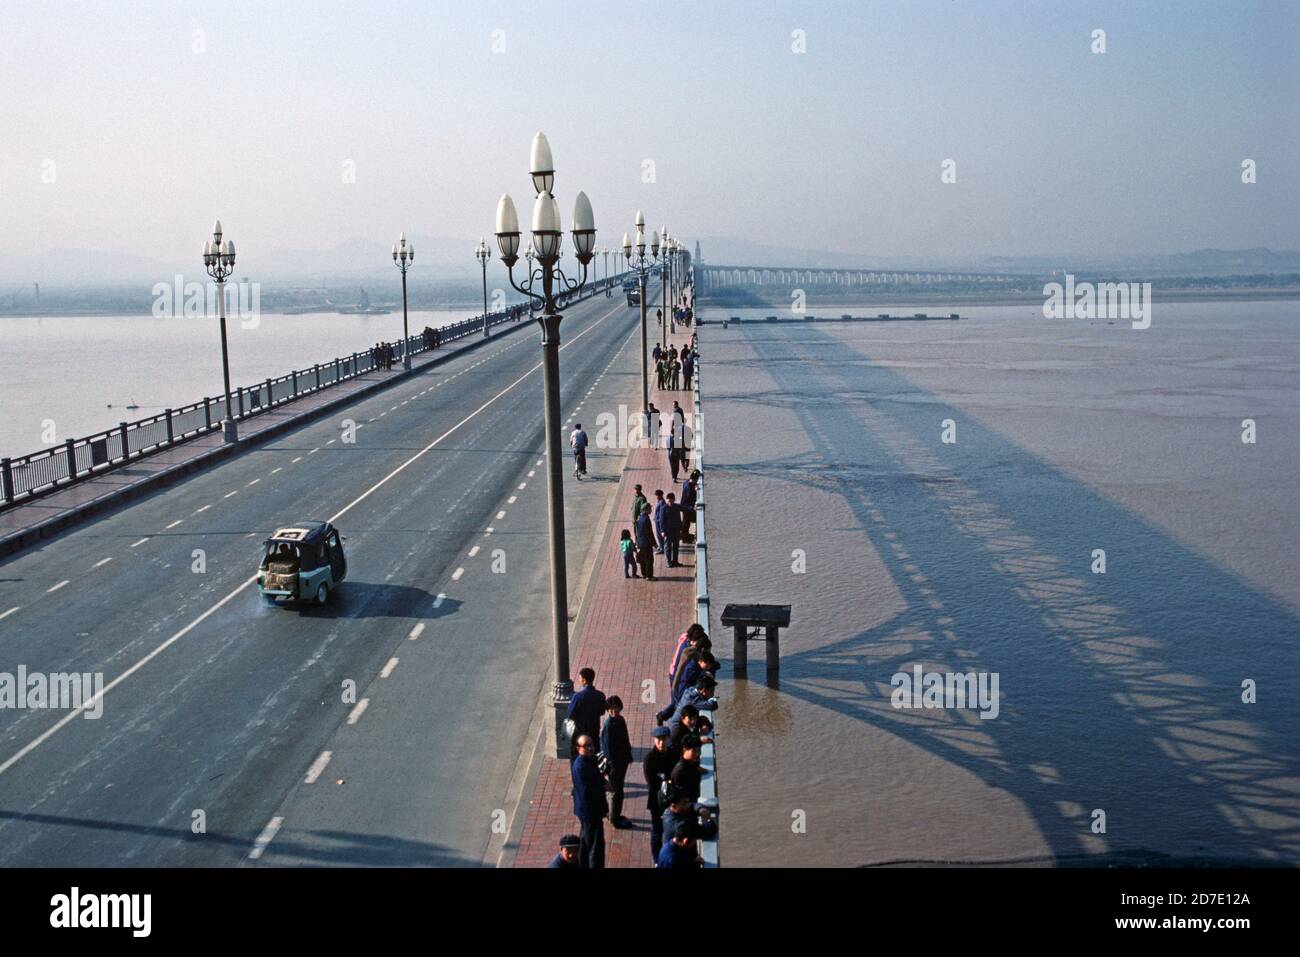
601, 748
602, 753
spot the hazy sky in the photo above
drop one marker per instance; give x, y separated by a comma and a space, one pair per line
153, 129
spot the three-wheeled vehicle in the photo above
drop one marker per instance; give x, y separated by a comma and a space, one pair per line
302, 562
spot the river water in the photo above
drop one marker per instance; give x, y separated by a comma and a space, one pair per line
1126, 727
70, 376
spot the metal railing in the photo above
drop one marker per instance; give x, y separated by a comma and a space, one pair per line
39, 473
708, 754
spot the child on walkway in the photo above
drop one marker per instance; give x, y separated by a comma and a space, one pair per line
629, 554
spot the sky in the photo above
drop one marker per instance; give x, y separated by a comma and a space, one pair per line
130, 127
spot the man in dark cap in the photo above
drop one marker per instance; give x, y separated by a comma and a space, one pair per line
657, 765
567, 856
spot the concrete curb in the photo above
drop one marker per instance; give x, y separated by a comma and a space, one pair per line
28, 537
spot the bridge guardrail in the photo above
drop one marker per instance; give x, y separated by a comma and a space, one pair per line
708, 754
30, 476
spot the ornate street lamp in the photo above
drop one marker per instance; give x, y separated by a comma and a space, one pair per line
547, 234
530, 255
219, 260
404, 256
482, 255
637, 260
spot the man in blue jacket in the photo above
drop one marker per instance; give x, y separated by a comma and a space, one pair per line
589, 804
586, 708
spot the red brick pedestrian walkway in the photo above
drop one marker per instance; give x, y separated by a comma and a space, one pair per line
627, 635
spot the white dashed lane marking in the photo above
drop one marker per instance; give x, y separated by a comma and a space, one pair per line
10, 611
265, 838
455, 576
198, 511
174, 524
358, 711
317, 767
141, 542
103, 561
388, 668
473, 551
417, 630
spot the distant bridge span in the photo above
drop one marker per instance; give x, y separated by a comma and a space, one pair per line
721, 277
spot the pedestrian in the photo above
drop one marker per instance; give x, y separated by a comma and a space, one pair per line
567, 857
697, 661
679, 851
645, 543
686, 776
688, 370
617, 748
628, 548
657, 765
690, 493
698, 696
638, 503
589, 804
585, 708
675, 373
672, 530
660, 507
578, 440
681, 809
661, 372
657, 353
685, 641
653, 415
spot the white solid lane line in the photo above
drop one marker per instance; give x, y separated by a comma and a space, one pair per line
10, 611
56, 587
141, 542
388, 668
358, 711
416, 631
265, 838
75, 713
317, 767
103, 561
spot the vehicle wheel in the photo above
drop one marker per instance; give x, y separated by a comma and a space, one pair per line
322, 593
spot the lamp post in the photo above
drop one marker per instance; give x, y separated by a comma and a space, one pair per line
481, 254
404, 256
637, 260
546, 234
530, 254
664, 294
219, 260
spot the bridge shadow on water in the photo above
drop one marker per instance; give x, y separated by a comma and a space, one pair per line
1119, 691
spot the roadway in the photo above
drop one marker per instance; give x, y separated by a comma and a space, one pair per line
391, 726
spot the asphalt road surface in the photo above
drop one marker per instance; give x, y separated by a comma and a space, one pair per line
391, 726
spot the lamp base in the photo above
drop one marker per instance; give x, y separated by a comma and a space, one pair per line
229, 430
